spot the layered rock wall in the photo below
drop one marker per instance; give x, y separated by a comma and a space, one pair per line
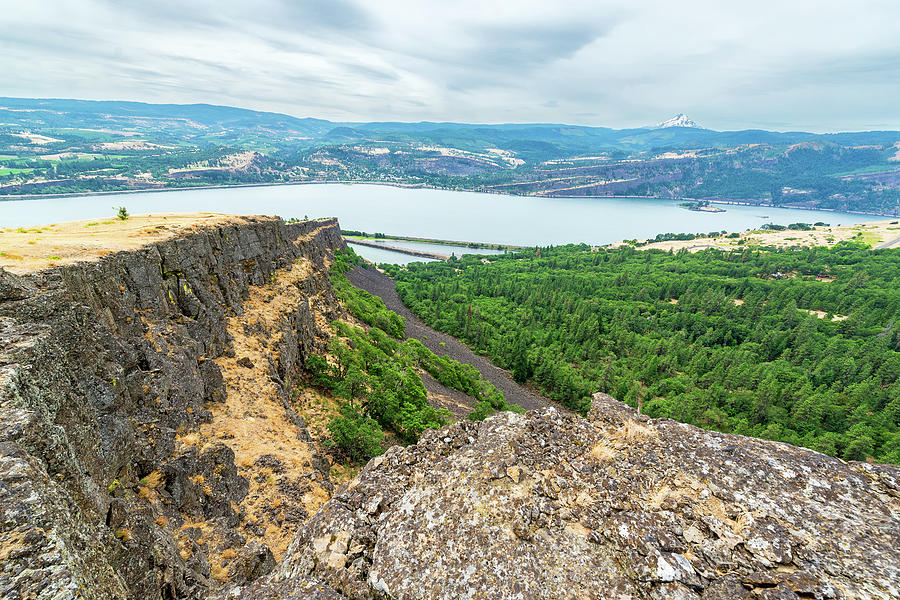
103, 365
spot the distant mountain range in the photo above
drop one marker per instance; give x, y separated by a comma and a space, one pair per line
217, 124
63, 146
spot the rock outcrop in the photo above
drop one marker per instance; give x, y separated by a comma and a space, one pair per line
107, 368
616, 506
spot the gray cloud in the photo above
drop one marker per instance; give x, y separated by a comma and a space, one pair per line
802, 64
530, 45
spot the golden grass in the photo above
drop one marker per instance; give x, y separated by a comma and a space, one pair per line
872, 233
153, 480
252, 420
68, 243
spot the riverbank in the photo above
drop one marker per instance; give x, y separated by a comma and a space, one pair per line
425, 186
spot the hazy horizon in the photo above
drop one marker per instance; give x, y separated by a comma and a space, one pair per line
468, 123
806, 66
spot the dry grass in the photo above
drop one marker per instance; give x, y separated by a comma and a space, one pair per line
185, 549
660, 496
190, 439
341, 473
603, 451
873, 233
252, 420
631, 433
217, 571
78, 241
153, 480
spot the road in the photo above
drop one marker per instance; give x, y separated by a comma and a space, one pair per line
892, 244
381, 285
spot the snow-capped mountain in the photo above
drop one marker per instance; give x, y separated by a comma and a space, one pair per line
679, 120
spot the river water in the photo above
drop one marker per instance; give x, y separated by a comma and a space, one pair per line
441, 214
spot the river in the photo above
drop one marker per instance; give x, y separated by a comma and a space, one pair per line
441, 214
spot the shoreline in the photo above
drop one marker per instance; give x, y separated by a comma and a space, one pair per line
438, 242
17, 197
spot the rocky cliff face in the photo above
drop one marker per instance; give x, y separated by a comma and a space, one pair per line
112, 374
550, 505
148, 449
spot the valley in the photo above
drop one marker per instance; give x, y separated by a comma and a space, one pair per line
70, 147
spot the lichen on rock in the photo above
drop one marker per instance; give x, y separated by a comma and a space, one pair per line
551, 505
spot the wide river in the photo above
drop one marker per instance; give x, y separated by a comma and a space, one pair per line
443, 214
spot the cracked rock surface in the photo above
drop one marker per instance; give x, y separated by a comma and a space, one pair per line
615, 506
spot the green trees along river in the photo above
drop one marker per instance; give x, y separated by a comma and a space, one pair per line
794, 345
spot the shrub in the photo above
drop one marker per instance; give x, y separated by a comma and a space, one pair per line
482, 411
323, 374
356, 434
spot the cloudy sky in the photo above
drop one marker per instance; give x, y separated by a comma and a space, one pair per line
818, 65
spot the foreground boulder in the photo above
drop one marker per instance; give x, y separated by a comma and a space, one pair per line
616, 506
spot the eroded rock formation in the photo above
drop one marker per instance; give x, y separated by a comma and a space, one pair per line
616, 506
118, 477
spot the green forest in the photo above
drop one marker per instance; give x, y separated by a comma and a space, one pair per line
797, 345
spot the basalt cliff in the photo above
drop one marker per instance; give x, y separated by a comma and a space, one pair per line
150, 448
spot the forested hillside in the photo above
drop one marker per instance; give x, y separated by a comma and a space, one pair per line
794, 345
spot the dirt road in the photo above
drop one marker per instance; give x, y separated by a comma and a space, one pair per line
382, 286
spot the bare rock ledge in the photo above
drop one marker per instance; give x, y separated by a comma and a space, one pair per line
615, 506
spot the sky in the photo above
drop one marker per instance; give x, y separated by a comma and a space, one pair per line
818, 65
